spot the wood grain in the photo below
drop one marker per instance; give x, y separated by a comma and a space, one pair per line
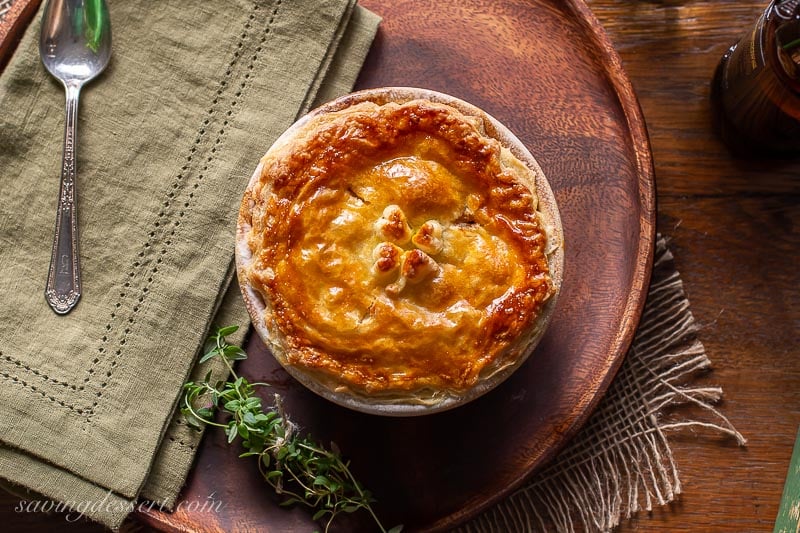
433, 472
733, 226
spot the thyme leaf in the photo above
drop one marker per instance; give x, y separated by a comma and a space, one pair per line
298, 468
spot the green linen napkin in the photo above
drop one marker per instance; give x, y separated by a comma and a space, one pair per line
168, 137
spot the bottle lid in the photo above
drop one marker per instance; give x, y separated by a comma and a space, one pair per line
787, 9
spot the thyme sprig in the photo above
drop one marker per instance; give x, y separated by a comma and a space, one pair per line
298, 468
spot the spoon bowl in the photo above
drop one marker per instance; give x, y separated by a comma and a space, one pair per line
75, 46
75, 43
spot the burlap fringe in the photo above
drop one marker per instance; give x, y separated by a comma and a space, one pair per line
620, 462
5, 6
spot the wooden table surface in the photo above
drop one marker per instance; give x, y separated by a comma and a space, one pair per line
733, 225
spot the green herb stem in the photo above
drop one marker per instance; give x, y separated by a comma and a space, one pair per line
299, 469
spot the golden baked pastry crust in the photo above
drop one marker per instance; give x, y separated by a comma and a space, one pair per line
398, 249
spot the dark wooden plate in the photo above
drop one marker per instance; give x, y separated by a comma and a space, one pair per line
14, 18
546, 69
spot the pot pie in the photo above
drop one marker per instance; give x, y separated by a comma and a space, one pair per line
396, 254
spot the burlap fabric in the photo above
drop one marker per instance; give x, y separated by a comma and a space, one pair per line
5, 5
168, 137
620, 462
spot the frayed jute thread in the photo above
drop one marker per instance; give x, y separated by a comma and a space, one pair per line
5, 7
620, 462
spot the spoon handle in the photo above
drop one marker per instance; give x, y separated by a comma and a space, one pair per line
64, 277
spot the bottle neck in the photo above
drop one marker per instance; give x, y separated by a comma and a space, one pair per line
783, 40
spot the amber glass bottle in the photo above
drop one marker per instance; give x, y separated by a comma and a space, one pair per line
755, 93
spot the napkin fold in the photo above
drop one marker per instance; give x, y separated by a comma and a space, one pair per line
168, 137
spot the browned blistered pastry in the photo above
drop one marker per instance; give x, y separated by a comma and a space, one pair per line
394, 252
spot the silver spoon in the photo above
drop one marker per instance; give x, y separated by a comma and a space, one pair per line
75, 46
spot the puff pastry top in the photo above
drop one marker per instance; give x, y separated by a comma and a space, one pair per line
397, 248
